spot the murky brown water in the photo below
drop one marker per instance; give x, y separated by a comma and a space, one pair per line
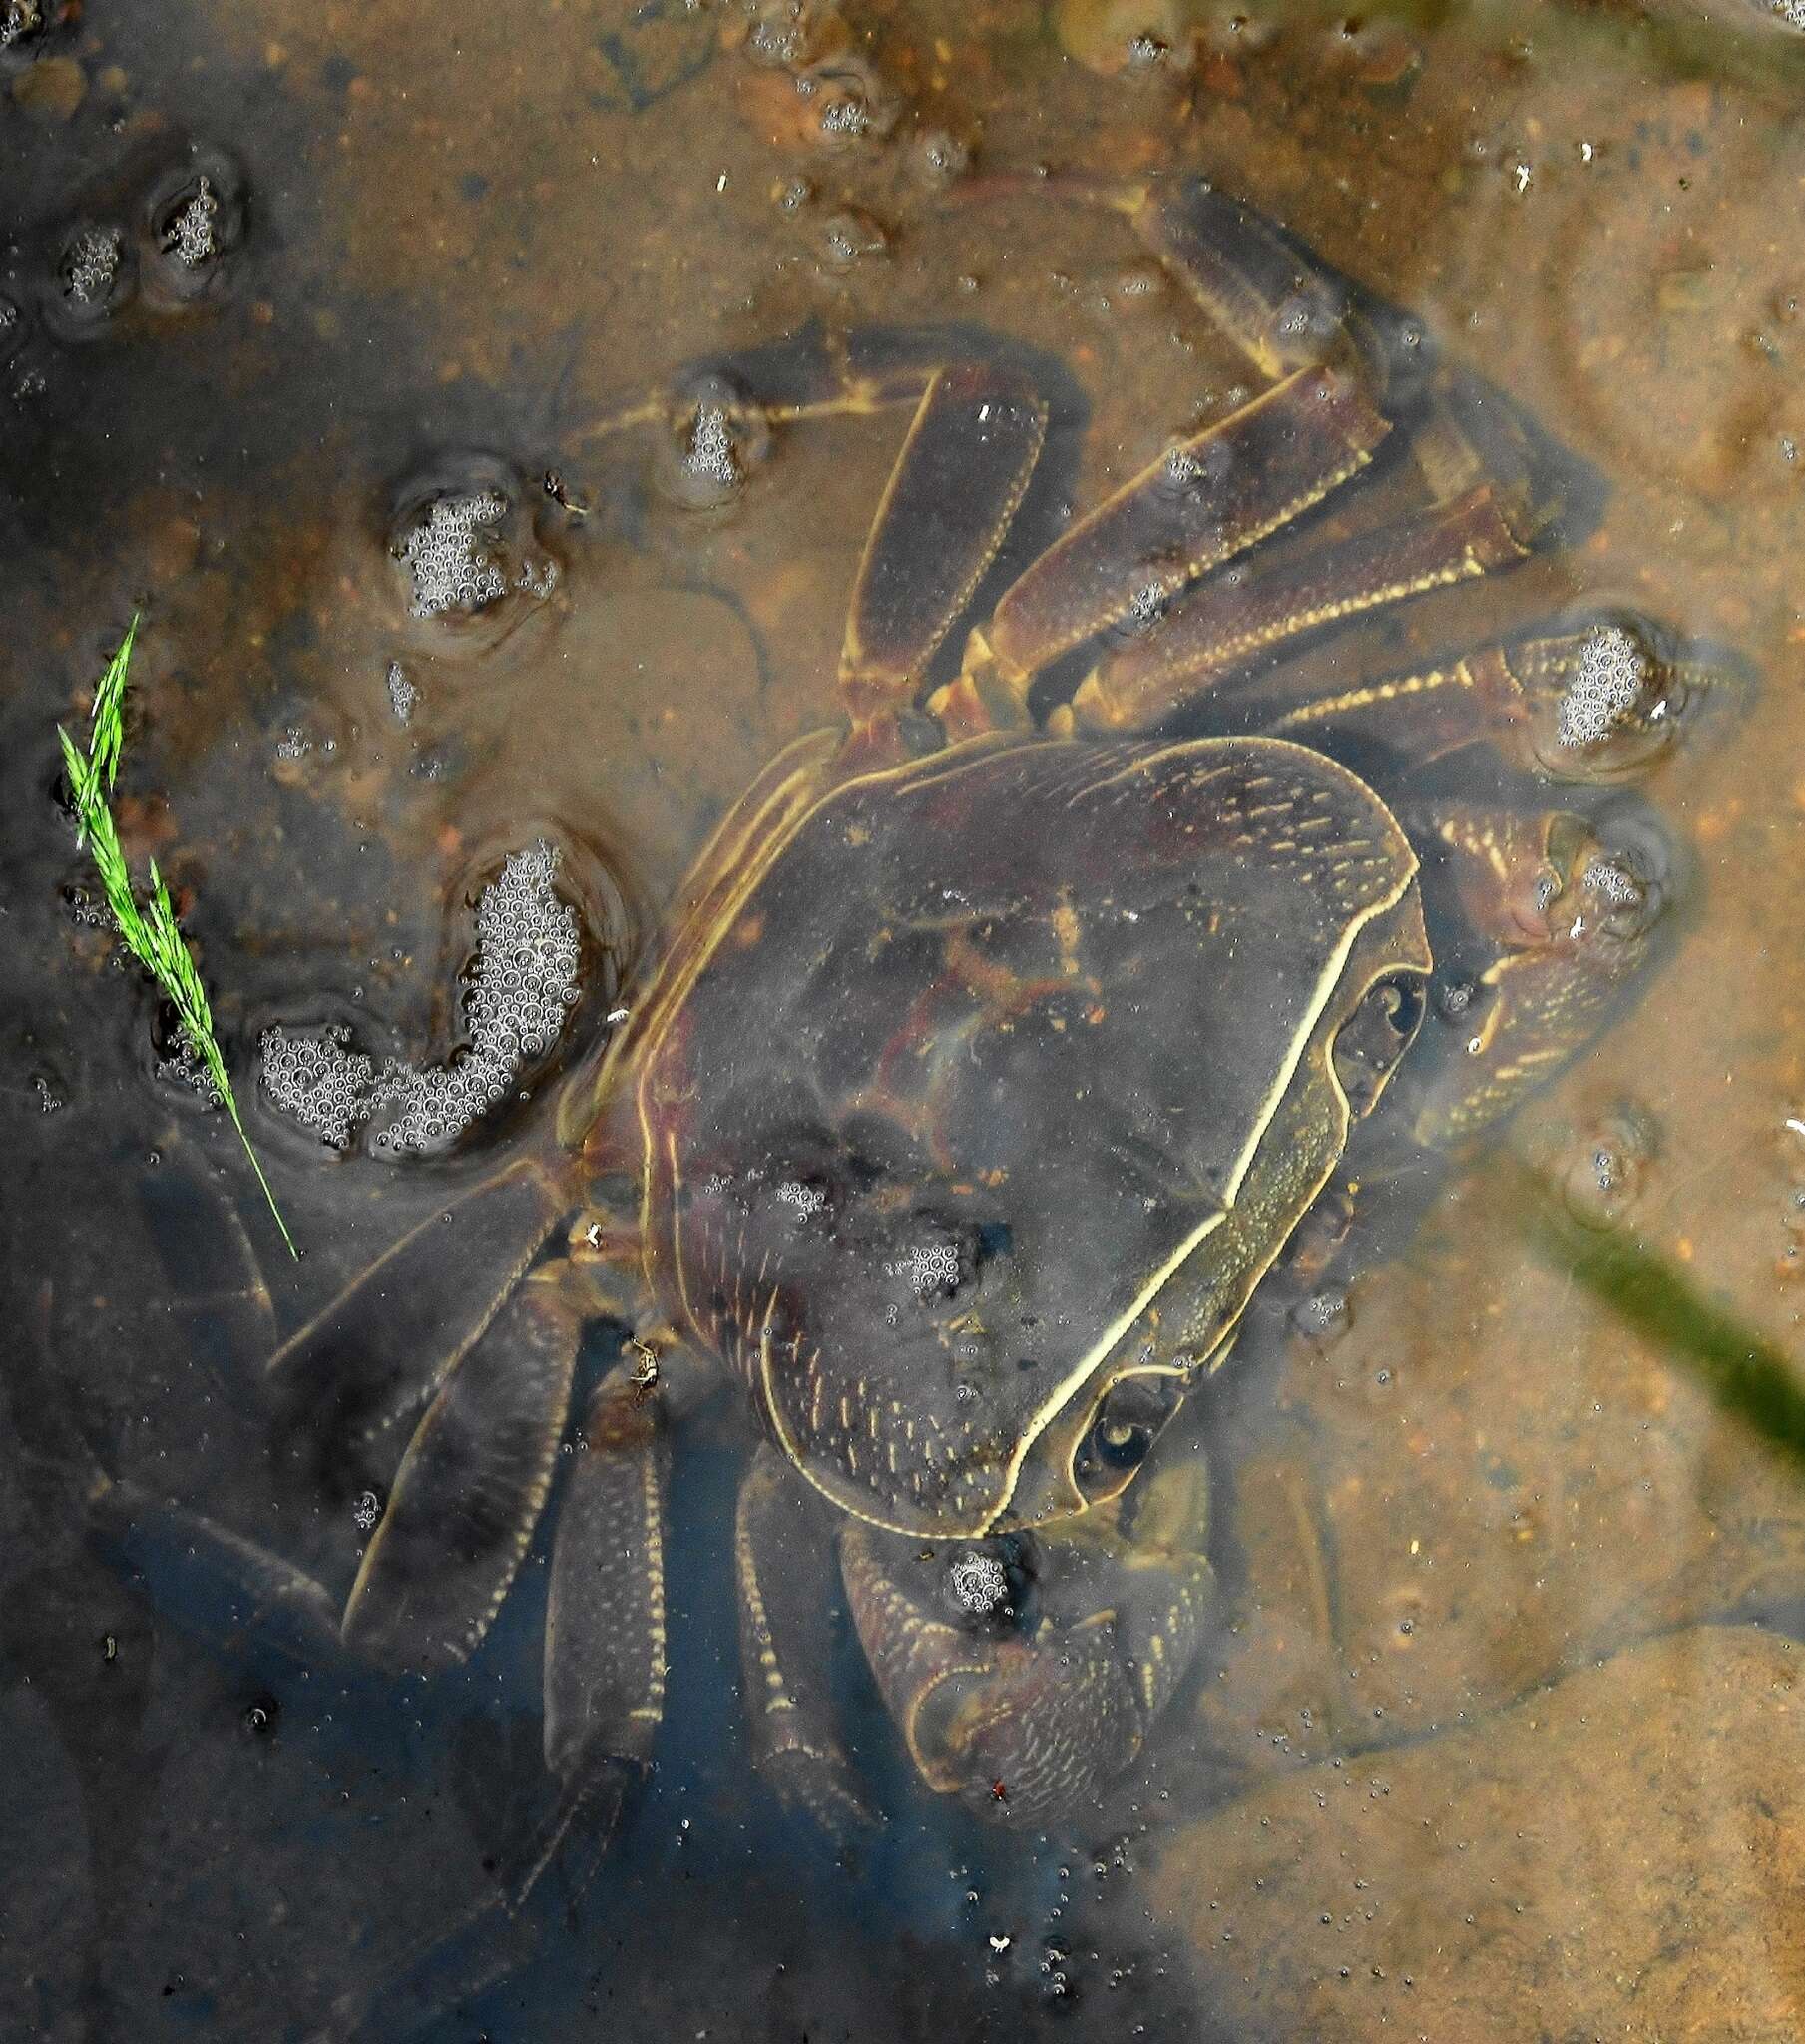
1497, 1733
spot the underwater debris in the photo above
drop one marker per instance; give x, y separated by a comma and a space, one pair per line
19, 19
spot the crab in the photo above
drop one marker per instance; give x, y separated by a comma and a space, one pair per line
1006, 1035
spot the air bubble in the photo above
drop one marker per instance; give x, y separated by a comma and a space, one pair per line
1606, 688
851, 237
444, 551
188, 235
979, 1583
523, 986
92, 276
404, 696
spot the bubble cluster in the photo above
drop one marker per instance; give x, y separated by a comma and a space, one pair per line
1615, 882
522, 987
1148, 606
1609, 1166
193, 220
90, 266
402, 695
850, 237
931, 1266
979, 1583
805, 1198
717, 436
319, 1081
941, 158
189, 235
184, 1068
445, 557
1184, 470
710, 457
1606, 687
846, 116
1322, 1318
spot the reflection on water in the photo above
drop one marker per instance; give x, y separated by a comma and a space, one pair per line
319, 326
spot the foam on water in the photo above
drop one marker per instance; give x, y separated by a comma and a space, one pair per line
523, 985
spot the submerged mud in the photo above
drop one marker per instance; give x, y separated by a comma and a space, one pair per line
317, 325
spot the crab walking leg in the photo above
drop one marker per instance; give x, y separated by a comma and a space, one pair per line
1344, 368
470, 1488
604, 1636
954, 488
1264, 290
222, 1589
783, 1564
1572, 915
379, 1351
1218, 629
1023, 1709
1210, 497
1596, 700
1273, 297
737, 397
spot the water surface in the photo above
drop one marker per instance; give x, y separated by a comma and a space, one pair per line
1491, 1557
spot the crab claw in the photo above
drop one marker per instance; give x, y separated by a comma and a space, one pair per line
1024, 1672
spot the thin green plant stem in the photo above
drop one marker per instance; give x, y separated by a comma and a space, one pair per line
149, 932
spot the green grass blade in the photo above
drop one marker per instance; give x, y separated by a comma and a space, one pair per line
152, 933
108, 715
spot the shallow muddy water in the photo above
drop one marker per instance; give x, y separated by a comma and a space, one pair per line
318, 326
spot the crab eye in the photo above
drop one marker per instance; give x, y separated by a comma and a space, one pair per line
1375, 1036
1122, 1431
1121, 1443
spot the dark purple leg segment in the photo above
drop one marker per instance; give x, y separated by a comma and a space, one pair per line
1593, 700
1211, 497
954, 488
469, 1490
785, 1561
1220, 628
